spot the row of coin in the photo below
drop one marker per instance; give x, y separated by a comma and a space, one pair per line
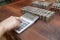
56, 5
41, 4
58, 1
44, 15
45, 4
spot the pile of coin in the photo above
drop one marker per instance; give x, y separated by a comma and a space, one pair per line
41, 4
44, 15
56, 5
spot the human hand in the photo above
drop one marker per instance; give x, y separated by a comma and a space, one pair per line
10, 23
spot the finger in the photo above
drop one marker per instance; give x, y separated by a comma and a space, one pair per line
17, 26
18, 18
17, 21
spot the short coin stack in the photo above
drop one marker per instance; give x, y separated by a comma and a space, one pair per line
44, 15
41, 4
56, 5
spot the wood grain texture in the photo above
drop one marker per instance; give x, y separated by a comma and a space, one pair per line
39, 30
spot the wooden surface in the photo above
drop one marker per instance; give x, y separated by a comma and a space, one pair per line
38, 31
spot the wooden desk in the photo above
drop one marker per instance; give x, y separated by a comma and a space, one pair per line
38, 31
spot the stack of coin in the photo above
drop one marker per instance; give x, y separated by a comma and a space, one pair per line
36, 3
44, 15
41, 4
56, 5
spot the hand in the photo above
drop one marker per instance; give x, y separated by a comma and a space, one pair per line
10, 23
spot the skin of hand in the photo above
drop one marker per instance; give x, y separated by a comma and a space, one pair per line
9, 24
